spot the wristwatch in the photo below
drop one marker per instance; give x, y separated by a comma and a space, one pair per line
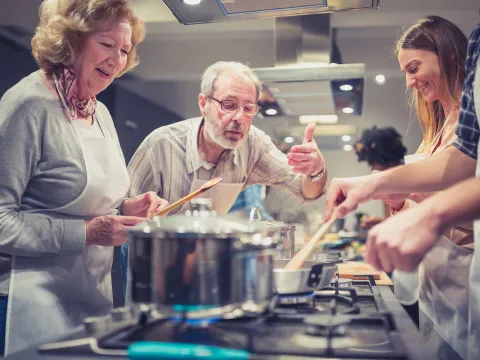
319, 176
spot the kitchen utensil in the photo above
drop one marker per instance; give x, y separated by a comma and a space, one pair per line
286, 234
296, 281
202, 264
209, 184
303, 280
149, 350
297, 261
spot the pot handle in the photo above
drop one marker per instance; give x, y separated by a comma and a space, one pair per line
149, 350
315, 275
253, 211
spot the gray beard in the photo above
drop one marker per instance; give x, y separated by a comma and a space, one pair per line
216, 134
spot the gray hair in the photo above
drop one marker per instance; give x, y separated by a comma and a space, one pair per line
213, 72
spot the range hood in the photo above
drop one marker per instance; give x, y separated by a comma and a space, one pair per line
207, 11
308, 74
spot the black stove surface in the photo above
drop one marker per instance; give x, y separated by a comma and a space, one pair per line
347, 323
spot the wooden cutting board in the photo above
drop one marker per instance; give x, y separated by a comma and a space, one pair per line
352, 269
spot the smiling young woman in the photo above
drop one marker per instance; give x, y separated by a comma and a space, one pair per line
432, 54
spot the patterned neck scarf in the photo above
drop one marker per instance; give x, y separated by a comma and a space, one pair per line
67, 89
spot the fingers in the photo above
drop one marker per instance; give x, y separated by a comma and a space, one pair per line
305, 148
304, 168
347, 206
129, 220
333, 195
309, 130
153, 200
300, 156
162, 204
371, 252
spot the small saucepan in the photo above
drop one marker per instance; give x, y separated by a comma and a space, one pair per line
313, 276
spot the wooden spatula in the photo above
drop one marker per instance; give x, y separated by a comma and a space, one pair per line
300, 257
209, 184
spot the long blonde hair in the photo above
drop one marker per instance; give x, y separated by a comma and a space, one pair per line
449, 43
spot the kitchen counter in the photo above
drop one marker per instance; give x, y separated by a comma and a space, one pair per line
411, 337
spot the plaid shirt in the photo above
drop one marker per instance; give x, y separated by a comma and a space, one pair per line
468, 130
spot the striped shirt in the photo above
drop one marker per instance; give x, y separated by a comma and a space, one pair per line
468, 130
168, 160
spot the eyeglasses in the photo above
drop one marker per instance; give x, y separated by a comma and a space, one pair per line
232, 106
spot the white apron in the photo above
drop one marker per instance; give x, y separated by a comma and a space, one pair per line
440, 284
51, 295
223, 195
474, 295
406, 284
443, 299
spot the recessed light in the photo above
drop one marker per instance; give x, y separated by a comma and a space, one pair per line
380, 79
347, 147
289, 139
346, 138
347, 110
346, 87
271, 111
318, 119
192, 2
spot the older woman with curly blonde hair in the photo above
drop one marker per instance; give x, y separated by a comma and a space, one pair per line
64, 179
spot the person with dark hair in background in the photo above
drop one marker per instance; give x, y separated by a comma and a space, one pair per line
432, 53
381, 148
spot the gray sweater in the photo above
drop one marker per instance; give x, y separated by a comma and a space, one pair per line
41, 168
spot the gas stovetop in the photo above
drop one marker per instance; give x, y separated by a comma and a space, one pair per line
348, 320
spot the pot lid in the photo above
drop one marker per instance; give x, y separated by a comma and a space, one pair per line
201, 226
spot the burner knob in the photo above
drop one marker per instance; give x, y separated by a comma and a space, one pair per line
96, 324
121, 314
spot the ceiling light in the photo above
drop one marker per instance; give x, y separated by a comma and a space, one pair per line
289, 139
380, 79
347, 147
318, 119
347, 110
192, 2
346, 138
274, 90
346, 87
271, 111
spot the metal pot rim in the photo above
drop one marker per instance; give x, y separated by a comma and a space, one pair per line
218, 227
276, 224
292, 270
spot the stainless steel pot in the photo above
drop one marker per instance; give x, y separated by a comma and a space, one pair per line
313, 276
202, 264
286, 234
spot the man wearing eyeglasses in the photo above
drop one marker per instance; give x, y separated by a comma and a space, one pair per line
177, 159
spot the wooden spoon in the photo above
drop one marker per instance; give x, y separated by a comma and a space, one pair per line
300, 257
209, 184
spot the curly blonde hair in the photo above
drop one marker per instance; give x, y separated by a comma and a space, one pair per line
64, 25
